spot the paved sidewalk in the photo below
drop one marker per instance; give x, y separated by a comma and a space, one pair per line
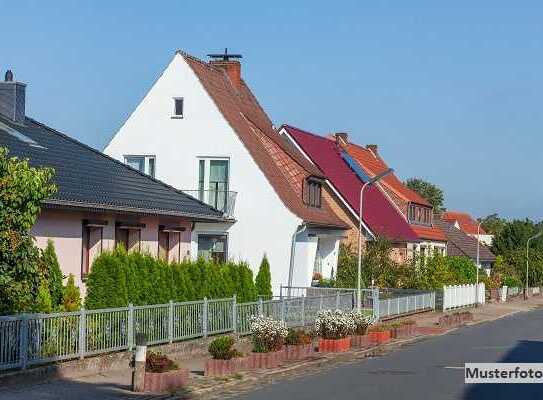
116, 384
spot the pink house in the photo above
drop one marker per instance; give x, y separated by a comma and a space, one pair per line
101, 202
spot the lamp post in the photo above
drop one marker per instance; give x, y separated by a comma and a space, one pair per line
368, 183
527, 262
477, 268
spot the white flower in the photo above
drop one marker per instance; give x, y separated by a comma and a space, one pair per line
334, 324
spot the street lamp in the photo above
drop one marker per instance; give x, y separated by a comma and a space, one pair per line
477, 266
527, 247
368, 183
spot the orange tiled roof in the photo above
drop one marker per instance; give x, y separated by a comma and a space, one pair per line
373, 164
429, 232
282, 165
466, 222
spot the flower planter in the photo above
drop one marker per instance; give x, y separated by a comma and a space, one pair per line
158, 382
400, 332
361, 341
266, 360
335, 345
411, 329
226, 367
380, 337
298, 352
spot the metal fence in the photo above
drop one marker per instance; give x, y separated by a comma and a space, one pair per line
395, 304
40, 338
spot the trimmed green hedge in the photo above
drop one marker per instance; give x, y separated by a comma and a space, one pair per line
118, 278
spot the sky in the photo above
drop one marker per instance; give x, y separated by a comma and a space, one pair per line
451, 92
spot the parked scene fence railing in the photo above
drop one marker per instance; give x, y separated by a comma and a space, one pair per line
457, 296
410, 302
40, 338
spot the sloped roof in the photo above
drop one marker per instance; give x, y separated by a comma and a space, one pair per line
429, 232
465, 221
280, 162
373, 164
87, 178
378, 213
461, 244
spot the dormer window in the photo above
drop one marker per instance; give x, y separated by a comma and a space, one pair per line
313, 192
177, 107
420, 215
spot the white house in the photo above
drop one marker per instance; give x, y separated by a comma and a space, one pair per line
201, 130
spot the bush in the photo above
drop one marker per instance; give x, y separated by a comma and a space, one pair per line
263, 280
221, 348
267, 334
118, 278
71, 296
296, 337
361, 321
333, 324
50, 261
43, 300
157, 362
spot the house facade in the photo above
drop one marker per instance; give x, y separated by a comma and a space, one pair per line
467, 224
101, 203
345, 180
207, 135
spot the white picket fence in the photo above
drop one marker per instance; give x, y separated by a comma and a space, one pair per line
456, 296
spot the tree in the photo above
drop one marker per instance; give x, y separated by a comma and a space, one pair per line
71, 296
492, 224
429, 191
263, 279
22, 190
54, 278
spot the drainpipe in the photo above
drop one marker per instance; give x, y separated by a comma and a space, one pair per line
299, 230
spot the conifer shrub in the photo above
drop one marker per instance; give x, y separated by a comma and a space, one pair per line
263, 280
54, 274
71, 296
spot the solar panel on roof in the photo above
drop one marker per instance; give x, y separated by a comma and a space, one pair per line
355, 167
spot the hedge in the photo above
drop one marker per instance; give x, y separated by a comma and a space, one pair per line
118, 278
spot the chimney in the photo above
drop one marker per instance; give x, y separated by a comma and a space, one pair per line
342, 138
232, 69
373, 149
12, 98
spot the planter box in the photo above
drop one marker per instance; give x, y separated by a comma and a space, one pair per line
226, 367
380, 337
298, 352
400, 332
411, 329
335, 345
266, 360
361, 341
158, 382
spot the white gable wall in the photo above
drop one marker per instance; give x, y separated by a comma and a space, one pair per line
264, 224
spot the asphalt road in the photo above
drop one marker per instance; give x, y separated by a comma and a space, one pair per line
431, 369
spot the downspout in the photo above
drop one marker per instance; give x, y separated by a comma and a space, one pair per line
299, 230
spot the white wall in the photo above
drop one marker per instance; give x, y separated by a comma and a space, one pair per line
264, 224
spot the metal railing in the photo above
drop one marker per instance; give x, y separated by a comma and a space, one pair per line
222, 200
398, 305
41, 338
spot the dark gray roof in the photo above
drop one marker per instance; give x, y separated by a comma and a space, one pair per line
461, 244
87, 178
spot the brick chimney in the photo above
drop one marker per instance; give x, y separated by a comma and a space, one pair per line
342, 138
12, 98
232, 69
373, 149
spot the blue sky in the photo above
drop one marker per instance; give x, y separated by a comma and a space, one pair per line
451, 92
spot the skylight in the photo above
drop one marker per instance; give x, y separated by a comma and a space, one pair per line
355, 167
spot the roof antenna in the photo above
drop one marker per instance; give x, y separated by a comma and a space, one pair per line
225, 56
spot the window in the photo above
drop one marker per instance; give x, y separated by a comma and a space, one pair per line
177, 107
128, 235
419, 215
213, 182
169, 243
92, 235
213, 247
312, 192
145, 164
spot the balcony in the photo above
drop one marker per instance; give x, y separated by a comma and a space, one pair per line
224, 201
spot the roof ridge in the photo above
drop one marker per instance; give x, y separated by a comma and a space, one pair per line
69, 138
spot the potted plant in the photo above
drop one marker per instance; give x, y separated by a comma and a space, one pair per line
162, 374
268, 337
297, 344
334, 328
379, 334
225, 359
399, 330
359, 337
411, 326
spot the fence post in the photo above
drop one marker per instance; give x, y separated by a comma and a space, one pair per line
281, 291
170, 322
260, 307
321, 303
337, 300
398, 302
204, 317
303, 311
234, 314
283, 310
130, 326
375, 298
82, 333
23, 341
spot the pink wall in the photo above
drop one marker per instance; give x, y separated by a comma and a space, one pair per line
65, 229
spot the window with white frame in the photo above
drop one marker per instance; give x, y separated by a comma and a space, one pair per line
144, 163
91, 243
178, 107
213, 247
213, 181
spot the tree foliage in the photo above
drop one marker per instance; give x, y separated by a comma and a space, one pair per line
22, 189
54, 274
71, 296
263, 279
492, 224
429, 191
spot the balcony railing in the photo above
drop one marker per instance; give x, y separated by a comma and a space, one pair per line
224, 201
